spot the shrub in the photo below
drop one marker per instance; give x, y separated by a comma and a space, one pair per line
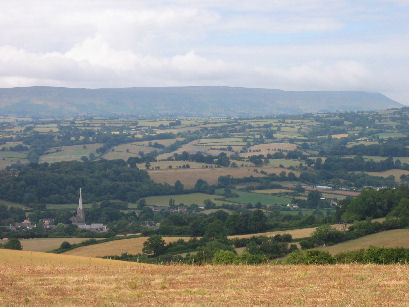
310, 257
224, 257
13, 243
307, 243
65, 245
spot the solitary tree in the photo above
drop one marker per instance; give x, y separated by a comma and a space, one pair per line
154, 246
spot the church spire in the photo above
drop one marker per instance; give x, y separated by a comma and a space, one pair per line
80, 201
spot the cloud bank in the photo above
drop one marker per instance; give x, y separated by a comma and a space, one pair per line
291, 45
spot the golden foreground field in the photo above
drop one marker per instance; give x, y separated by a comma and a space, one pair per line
38, 279
116, 248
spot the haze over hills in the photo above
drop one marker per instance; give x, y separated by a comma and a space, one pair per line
178, 101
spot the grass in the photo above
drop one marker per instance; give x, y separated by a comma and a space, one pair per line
273, 191
13, 155
69, 153
118, 247
66, 206
186, 199
389, 238
253, 198
284, 162
47, 244
11, 204
31, 278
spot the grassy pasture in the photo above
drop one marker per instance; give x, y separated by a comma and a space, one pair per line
66, 206
46, 244
38, 279
69, 153
11, 204
253, 198
187, 199
283, 162
222, 142
13, 154
391, 135
272, 191
118, 247
389, 238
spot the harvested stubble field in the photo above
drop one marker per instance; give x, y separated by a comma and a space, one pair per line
189, 176
31, 278
116, 248
295, 233
46, 244
389, 238
392, 172
265, 149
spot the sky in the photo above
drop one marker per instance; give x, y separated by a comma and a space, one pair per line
280, 44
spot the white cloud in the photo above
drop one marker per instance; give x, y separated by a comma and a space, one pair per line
293, 44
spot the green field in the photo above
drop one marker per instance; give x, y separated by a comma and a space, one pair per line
254, 198
283, 162
387, 135
13, 155
69, 153
67, 206
11, 204
186, 199
306, 211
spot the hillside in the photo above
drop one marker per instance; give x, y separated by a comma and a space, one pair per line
389, 238
177, 101
46, 279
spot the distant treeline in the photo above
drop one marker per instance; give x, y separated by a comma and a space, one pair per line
383, 150
221, 159
359, 164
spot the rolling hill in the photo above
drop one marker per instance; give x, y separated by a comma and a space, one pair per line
182, 101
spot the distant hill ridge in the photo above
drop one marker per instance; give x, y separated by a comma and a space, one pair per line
179, 101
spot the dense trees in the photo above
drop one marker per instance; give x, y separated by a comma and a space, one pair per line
373, 204
60, 182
